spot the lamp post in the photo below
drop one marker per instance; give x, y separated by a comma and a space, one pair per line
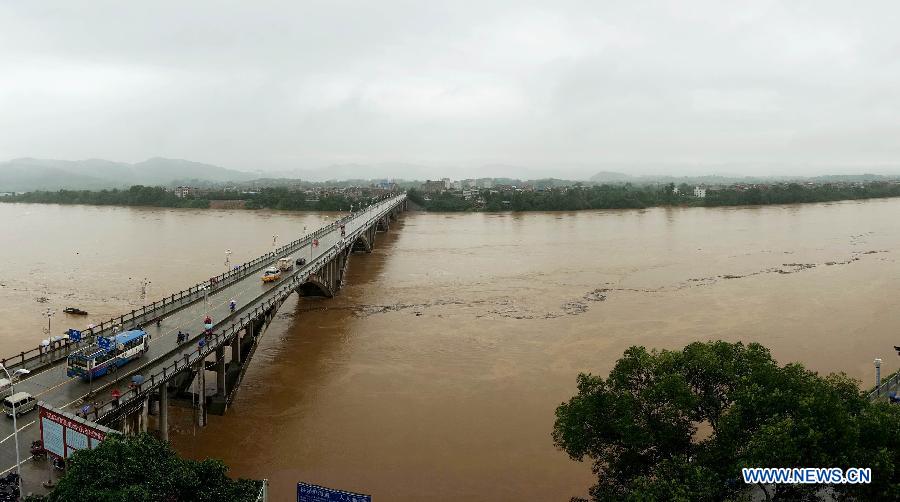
878, 375
12, 390
145, 284
49, 313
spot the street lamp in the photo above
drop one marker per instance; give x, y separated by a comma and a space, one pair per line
878, 374
12, 390
144, 285
49, 313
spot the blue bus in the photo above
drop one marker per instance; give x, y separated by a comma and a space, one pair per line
107, 355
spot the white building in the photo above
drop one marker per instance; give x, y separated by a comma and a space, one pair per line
182, 192
447, 184
699, 192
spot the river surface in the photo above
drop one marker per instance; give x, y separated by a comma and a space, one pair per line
435, 373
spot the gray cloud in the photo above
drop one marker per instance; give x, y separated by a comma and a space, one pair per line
555, 87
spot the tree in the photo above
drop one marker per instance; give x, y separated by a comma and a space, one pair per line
142, 468
680, 426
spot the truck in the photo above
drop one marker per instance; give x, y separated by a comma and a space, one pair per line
286, 263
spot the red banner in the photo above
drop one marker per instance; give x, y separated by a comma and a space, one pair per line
62, 434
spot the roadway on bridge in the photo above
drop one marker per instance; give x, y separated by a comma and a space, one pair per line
54, 387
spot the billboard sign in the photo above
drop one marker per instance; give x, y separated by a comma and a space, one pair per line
103, 342
314, 493
74, 335
64, 433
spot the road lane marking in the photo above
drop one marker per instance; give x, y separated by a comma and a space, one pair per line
20, 430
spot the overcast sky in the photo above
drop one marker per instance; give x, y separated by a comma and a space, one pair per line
642, 87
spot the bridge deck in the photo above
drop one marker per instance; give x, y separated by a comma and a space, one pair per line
54, 387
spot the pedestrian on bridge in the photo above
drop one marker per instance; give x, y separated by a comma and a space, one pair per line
232, 304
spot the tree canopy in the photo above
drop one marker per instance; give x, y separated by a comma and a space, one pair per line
142, 468
680, 425
629, 196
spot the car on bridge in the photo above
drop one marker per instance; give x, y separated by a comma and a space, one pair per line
271, 274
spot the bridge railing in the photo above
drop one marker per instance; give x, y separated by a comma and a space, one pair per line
885, 388
60, 347
104, 410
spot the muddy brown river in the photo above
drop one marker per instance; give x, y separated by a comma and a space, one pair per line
435, 373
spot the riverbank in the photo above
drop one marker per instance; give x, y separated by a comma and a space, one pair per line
626, 196
569, 198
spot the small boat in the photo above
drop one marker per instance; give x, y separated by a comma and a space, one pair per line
74, 311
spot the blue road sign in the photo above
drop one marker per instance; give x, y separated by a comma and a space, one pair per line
314, 493
103, 342
74, 335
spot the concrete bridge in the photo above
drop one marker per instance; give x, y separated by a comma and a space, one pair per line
203, 372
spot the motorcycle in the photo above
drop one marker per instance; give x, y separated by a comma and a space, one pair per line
37, 450
9, 488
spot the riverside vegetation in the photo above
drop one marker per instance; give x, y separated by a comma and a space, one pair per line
618, 196
628, 196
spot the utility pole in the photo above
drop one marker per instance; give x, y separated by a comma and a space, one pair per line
12, 389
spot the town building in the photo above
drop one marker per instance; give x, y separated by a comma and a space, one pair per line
433, 186
182, 192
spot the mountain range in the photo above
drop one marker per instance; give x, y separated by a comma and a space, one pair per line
26, 174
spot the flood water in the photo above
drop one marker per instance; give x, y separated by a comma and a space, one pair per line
435, 372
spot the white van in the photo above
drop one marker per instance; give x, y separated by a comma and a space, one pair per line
23, 402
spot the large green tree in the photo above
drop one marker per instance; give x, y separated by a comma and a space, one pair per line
680, 425
142, 468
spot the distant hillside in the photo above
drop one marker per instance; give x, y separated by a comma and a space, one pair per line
27, 174
611, 177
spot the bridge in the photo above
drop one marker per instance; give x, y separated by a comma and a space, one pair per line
176, 372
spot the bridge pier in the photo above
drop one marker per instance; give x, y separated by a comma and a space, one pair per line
236, 347
135, 421
201, 393
164, 411
220, 371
